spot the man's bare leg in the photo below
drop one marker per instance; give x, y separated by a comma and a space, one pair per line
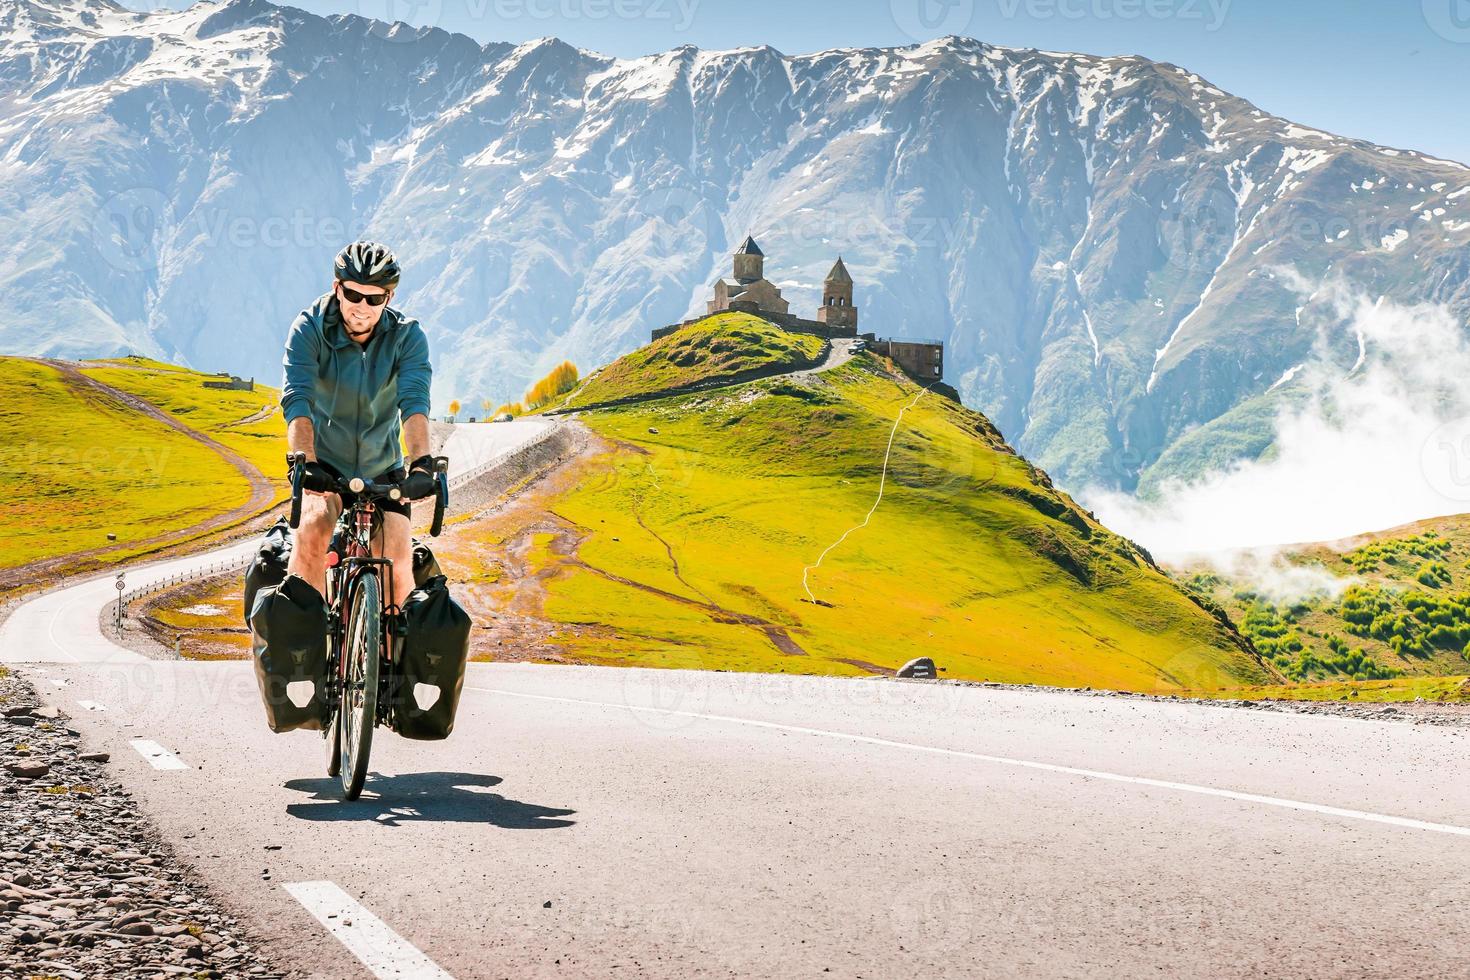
396, 542
312, 537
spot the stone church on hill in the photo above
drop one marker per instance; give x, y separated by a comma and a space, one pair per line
748, 290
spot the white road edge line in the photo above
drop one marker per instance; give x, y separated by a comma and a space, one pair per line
158, 757
385, 953
1229, 794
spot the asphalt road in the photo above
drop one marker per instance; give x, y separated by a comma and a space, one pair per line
688, 824
604, 822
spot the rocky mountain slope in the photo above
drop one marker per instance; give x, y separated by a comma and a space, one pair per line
1118, 254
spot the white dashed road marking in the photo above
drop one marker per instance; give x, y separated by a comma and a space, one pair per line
1229, 794
158, 757
384, 952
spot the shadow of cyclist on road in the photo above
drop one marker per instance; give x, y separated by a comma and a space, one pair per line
438, 797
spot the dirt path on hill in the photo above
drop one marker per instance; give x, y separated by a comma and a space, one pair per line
262, 492
507, 599
259, 416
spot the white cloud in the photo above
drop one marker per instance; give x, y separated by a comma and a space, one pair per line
1381, 444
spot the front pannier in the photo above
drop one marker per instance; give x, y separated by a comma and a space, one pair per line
431, 663
288, 628
268, 565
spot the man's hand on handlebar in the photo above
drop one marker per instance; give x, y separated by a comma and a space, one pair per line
420, 482
315, 478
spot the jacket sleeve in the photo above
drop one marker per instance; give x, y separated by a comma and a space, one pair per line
298, 390
414, 373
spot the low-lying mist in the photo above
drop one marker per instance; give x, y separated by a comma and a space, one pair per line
1378, 442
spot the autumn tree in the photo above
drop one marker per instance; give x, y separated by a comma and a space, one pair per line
562, 379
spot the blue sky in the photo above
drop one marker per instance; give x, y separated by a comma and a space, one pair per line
1392, 71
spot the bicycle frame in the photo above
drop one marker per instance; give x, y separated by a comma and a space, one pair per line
358, 560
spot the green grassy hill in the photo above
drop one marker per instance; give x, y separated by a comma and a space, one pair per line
690, 541
1401, 607
717, 347
219, 414
76, 464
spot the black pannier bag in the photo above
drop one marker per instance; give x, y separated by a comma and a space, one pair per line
288, 631
433, 653
425, 565
268, 565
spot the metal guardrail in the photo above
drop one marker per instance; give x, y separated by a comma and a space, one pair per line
206, 571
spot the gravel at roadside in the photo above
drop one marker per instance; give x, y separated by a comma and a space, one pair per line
87, 887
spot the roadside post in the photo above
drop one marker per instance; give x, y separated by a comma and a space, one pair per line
119, 585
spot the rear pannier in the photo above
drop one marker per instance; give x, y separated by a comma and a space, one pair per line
431, 663
288, 627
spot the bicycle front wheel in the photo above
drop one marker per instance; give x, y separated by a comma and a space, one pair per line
359, 705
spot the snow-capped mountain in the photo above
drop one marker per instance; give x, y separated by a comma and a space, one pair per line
1110, 247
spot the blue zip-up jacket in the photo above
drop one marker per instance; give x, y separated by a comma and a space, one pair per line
355, 395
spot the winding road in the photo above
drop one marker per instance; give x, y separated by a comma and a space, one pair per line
588, 821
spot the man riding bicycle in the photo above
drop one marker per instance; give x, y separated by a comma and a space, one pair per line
355, 367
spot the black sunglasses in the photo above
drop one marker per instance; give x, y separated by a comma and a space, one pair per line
371, 299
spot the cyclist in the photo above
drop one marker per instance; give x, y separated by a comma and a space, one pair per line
355, 367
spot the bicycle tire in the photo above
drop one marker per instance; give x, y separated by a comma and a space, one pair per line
334, 747
359, 707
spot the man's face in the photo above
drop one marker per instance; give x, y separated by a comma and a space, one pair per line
359, 319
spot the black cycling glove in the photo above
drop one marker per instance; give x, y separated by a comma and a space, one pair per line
420, 482
315, 477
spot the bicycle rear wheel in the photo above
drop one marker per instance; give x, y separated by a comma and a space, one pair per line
359, 707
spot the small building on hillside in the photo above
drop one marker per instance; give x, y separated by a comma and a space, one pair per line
922, 360
228, 382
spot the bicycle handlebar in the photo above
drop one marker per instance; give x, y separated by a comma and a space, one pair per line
441, 494
296, 464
